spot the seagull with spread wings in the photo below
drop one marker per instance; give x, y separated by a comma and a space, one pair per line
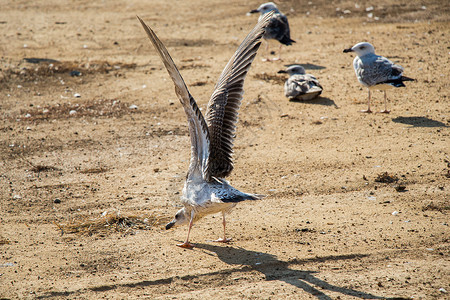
205, 189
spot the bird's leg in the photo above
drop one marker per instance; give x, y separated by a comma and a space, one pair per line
385, 111
186, 244
267, 52
224, 240
368, 105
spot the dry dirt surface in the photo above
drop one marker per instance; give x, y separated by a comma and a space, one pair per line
94, 149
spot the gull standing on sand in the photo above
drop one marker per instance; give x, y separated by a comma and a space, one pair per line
205, 191
376, 72
278, 28
299, 85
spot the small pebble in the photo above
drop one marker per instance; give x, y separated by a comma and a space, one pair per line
8, 264
72, 112
76, 95
57, 200
400, 188
394, 213
75, 73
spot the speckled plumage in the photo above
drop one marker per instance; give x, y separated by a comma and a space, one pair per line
372, 69
278, 27
376, 72
299, 85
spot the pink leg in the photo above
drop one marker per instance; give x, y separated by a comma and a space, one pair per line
279, 54
385, 111
224, 240
186, 244
267, 52
368, 106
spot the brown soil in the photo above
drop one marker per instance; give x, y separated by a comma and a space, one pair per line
357, 204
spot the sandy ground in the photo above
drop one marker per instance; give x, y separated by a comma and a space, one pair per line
88, 182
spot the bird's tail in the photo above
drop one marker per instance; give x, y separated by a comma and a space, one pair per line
256, 196
287, 41
398, 82
238, 197
404, 78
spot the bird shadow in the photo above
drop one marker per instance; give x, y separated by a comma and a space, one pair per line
275, 269
308, 66
319, 100
245, 261
419, 122
34, 60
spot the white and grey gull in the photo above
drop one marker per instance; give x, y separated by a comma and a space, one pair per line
376, 72
278, 28
205, 190
300, 86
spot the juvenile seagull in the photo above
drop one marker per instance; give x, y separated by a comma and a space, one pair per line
205, 191
299, 85
278, 28
376, 72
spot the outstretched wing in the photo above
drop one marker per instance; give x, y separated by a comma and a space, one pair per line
198, 129
223, 107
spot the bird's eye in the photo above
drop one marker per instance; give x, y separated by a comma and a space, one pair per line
362, 47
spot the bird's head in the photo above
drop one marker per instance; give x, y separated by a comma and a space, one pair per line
361, 49
265, 8
293, 69
180, 219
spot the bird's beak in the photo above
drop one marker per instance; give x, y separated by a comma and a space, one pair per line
253, 11
348, 50
170, 225
282, 72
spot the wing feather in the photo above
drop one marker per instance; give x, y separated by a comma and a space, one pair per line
198, 129
223, 107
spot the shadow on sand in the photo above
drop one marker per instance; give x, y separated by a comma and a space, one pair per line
419, 122
245, 261
319, 100
275, 269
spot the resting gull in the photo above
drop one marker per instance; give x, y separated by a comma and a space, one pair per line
376, 72
205, 189
278, 28
299, 85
